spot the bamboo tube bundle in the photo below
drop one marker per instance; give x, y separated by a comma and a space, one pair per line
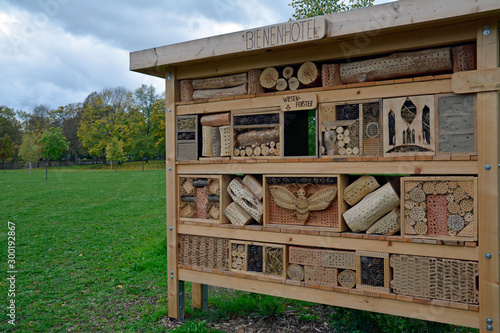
371, 208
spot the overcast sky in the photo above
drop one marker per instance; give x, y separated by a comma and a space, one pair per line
56, 52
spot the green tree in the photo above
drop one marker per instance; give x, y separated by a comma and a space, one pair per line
6, 150
68, 117
114, 152
159, 125
144, 140
311, 8
111, 113
29, 150
9, 124
38, 121
53, 144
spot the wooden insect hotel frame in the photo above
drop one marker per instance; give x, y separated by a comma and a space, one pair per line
334, 158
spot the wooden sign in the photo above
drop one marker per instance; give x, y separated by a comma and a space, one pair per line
299, 102
284, 33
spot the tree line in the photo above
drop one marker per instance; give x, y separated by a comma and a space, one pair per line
114, 124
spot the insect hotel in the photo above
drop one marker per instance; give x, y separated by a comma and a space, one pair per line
349, 159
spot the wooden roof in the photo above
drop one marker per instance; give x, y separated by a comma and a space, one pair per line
389, 18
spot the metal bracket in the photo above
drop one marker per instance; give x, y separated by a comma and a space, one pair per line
486, 30
204, 295
181, 308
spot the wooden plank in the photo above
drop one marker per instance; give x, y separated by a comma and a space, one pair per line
476, 81
346, 94
341, 243
488, 107
383, 167
384, 305
389, 16
172, 197
197, 295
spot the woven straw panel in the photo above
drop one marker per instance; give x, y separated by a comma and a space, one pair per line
436, 278
206, 252
325, 218
321, 275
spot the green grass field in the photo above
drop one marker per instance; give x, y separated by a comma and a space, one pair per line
90, 253
90, 249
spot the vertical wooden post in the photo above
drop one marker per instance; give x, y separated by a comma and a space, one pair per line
173, 285
488, 187
200, 296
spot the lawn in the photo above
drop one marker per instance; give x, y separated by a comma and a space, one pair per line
90, 253
90, 249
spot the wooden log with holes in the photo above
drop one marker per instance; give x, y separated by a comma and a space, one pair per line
281, 84
388, 225
330, 75
294, 83
186, 90
371, 208
257, 137
359, 189
254, 185
219, 82
288, 72
254, 86
237, 215
309, 74
269, 78
245, 199
464, 57
402, 64
216, 120
223, 92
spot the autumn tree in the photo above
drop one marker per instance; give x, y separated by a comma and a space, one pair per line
114, 152
53, 144
159, 125
10, 125
110, 113
29, 150
38, 121
6, 150
311, 8
68, 118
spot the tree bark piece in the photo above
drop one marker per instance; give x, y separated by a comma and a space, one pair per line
257, 137
359, 189
223, 92
269, 78
245, 199
237, 215
330, 75
254, 86
218, 119
387, 225
464, 57
186, 88
220, 82
371, 208
281, 84
287, 72
432, 61
294, 83
309, 74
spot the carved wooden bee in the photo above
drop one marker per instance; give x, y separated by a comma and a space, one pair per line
301, 204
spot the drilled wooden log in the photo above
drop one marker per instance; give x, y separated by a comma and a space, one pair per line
295, 272
254, 86
464, 57
330, 75
294, 83
246, 199
223, 92
186, 88
269, 78
254, 186
258, 137
237, 215
281, 84
216, 143
329, 138
206, 148
218, 119
227, 81
387, 225
396, 65
359, 189
309, 74
371, 208
257, 151
287, 72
